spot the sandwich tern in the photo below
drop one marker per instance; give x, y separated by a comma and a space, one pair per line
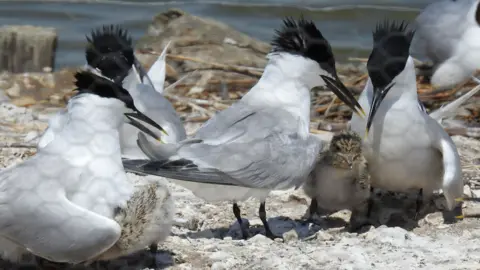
262, 142
110, 54
447, 32
406, 149
59, 204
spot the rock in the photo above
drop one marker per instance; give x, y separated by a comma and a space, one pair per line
290, 236
204, 39
324, 236
51, 89
260, 238
24, 101
26, 48
13, 91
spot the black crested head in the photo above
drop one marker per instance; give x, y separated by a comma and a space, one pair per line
303, 38
110, 50
391, 45
88, 82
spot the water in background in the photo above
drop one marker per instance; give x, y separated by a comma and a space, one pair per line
347, 24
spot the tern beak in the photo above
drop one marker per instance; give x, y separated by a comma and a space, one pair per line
142, 117
378, 96
337, 87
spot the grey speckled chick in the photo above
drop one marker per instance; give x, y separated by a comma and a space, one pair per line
146, 221
340, 179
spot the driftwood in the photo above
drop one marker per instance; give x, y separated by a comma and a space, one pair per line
25, 48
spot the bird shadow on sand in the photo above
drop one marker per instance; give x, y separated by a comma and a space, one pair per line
140, 260
278, 225
399, 210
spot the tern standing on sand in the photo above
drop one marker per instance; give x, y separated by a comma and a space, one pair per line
262, 142
405, 148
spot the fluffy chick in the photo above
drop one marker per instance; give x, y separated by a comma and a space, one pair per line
340, 180
146, 221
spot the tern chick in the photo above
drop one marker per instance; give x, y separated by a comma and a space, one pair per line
340, 179
146, 220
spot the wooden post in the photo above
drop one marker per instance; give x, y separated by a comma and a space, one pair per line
26, 48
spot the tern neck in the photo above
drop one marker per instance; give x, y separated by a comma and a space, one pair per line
285, 84
97, 111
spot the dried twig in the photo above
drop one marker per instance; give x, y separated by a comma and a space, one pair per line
242, 70
17, 145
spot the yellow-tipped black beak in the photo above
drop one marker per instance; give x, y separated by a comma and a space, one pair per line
142, 117
337, 87
379, 94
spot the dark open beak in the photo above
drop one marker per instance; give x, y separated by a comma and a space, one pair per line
337, 87
379, 94
142, 117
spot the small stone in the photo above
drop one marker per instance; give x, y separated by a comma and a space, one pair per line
23, 101
227, 238
193, 224
290, 236
55, 99
324, 236
13, 91
231, 41
260, 238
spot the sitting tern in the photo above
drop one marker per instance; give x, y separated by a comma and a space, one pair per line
447, 32
60, 204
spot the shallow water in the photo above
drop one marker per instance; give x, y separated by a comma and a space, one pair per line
347, 24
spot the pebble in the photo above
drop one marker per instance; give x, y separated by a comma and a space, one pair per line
290, 236
260, 238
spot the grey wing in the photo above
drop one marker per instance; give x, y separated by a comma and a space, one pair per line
278, 161
241, 123
439, 27
243, 146
40, 218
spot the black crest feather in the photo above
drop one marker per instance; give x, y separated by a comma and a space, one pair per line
391, 45
303, 38
87, 82
110, 50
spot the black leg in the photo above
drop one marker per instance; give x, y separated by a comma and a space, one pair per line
370, 203
236, 212
263, 217
153, 250
419, 203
